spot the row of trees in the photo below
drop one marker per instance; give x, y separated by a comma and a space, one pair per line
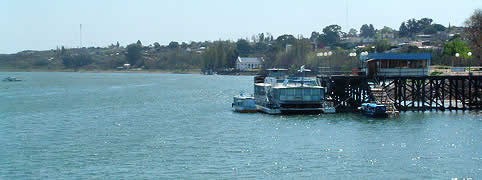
413, 26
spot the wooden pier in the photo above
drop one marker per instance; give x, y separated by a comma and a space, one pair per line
417, 93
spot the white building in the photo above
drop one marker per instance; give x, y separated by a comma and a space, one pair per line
247, 63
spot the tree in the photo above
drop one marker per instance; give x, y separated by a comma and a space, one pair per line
157, 46
133, 53
352, 33
403, 30
139, 43
62, 51
184, 45
285, 39
331, 34
367, 31
439, 27
386, 29
456, 46
261, 37
382, 45
117, 44
243, 47
413, 27
429, 30
473, 31
173, 45
424, 22
76, 61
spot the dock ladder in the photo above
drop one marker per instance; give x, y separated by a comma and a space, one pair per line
381, 97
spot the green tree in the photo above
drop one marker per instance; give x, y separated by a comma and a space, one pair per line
173, 45
157, 46
261, 37
331, 34
413, 27
62, 51
76, 61
285, 39
243, 47
382, 45
134, 53
184, 45
424, 22
386, 29
367, 31
139, 43
433, 28
439, 27
352, 33
456, 46
403, 30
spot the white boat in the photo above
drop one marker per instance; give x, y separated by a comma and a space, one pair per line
11, 79
328, 107
279, 94
244, 104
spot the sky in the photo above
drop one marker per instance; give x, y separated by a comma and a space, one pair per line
48, 24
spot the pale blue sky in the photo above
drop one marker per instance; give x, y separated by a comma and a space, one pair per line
46, 24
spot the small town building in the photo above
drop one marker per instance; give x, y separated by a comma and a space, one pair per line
396, 64
247, 63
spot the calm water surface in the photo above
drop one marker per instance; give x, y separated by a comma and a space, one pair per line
144, 126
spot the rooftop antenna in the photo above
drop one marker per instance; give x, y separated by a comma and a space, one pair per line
80, 36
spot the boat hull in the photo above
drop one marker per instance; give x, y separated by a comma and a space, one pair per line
241, 109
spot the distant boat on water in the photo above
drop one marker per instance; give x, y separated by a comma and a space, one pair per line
11, 79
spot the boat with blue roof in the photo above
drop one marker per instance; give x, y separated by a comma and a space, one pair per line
374, 110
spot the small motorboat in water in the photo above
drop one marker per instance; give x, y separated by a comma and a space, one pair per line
244, 104
11, 79
374, 110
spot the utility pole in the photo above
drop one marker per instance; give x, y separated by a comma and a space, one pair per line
347, 26
80, 33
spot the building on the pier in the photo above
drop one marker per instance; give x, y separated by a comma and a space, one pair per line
396, 64
247, 63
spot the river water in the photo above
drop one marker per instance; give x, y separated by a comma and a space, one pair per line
171, 126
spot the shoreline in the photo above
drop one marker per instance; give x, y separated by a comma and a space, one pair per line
192, 71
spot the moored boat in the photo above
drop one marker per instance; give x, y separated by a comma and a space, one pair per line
277, 93
244, 104
374, 110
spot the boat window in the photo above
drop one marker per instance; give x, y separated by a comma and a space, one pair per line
316, 92
307, 92
290, 92
298, 92
282, 92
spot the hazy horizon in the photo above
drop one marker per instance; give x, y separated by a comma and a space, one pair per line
43, 25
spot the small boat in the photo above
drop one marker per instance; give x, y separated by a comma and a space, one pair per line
374, 110
328, 106
244, 104
11, 79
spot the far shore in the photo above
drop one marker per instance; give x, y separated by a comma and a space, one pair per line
191, 71
156, 71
